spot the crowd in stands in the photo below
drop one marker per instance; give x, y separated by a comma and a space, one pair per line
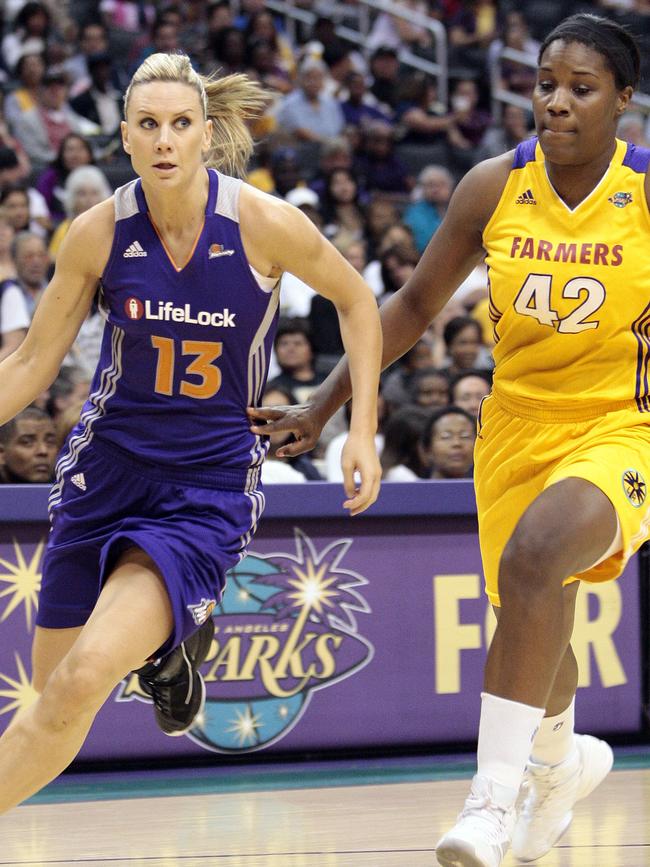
356, 138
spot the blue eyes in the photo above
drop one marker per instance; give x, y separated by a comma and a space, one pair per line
150, 123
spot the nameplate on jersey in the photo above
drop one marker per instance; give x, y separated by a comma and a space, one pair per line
167, 311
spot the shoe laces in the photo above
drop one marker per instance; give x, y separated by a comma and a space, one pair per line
481, 809
540, 783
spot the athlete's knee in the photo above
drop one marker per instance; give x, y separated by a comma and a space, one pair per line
79, 685
528, 565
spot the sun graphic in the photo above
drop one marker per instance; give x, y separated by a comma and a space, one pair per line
24, 580
635, 487
246, 726
21, 693
312, 586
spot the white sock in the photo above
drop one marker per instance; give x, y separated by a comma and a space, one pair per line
505, 735
554, 742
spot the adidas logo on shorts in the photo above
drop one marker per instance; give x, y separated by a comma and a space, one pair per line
79, 479
133, 250
526, 198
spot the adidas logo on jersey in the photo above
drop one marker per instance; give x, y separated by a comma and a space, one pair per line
526, 198
79, 480
133, 250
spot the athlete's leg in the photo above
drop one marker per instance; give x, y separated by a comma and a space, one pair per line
48, 649
132, 619
530, 668
563, 532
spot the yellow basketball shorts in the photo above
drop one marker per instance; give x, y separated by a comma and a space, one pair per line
517, 458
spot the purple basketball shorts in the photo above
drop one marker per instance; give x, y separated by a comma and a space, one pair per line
193, 531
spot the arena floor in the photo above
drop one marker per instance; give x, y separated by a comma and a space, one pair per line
377, 813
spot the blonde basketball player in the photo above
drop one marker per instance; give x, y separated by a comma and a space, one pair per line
563, 452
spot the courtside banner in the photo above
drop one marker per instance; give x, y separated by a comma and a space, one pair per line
334, 632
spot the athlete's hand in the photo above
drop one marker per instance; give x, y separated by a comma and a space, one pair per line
301, 420
361, 472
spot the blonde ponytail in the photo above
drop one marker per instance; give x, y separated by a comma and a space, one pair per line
228, 102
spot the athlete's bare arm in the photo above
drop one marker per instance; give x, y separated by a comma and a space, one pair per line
34, 365
281, 238
455, 249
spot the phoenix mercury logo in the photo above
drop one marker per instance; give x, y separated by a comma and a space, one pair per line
285, 628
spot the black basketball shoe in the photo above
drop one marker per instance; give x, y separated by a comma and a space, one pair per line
175, 683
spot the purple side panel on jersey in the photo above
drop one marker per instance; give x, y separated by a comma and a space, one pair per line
525, 153
637, 158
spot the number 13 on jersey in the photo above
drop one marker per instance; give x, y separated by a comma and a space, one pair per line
534, 299
205, 352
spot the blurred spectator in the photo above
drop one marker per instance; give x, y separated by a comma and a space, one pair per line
285, 470
227, 48
7, 263
431, 198
93, 40
261, 25
131, 16
29, 34
29, 71
401, 456
42, 129
468, 390
100, 102
262, 65
335, 153
69, 389
397, 380
74, 151
518, 77
381, 214
513, 129
14, 315
285, 170
32, 264
84, 187
295, 356
422, 118
219, 17
28, 448
395, 32
385, 72
632, 128
308, 113
448, 443
16, 202
529, 45
162, 37
360, 106
429, 388
309, 203
465, 351
246, 9
15, 165
471, 30
377, 166
340, 206
470, 123
397, 265
338, 59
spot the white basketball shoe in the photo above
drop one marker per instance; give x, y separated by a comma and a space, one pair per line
548, 794
481, 835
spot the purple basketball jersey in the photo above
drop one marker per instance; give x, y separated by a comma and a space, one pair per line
185, 347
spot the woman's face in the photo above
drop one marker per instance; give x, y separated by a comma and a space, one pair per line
343, 188
464, 348
264, 27
576, 104
165, 133
75, 153
16, 208
432, 391
86, 197
452, 446
32, 69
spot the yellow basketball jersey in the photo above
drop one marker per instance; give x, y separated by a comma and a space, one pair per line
570, 291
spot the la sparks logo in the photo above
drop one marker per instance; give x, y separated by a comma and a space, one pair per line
620, 200
635, 487
285, 629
